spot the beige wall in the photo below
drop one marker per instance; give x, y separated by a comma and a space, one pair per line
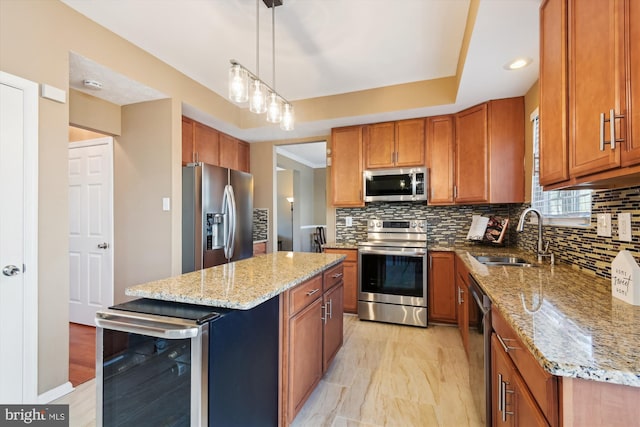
89, 112
142, 230
531, 102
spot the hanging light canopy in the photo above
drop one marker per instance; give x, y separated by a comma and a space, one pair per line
245, 86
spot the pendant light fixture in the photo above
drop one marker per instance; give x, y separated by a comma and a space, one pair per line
245, 86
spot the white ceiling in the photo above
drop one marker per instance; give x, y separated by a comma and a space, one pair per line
323, 47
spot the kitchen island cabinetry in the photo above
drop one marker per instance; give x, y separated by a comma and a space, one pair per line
350, 278
394, 144
442, 307
489, 153
346, 166
601, 89
312, 334
440, 159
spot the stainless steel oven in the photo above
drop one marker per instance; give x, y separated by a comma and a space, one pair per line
392, 271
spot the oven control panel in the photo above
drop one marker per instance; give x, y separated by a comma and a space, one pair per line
397, 226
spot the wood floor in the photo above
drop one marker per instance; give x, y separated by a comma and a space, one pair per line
82, 353
385, 375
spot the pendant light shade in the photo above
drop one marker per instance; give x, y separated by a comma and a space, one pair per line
257, 97
274, 108
238, 84
246, 86
288, 117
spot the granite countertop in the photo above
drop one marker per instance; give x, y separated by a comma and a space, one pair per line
568, 319
340, 245
241, 284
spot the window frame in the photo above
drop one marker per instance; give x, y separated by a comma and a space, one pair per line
581, 220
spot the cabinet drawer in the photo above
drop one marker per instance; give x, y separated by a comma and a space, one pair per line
543, 385
304, 294
333, 276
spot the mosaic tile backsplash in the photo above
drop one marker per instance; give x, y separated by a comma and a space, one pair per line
260, 224
582, 247
448, 225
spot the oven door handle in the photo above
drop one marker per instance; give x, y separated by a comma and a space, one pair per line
414, 253
146, 326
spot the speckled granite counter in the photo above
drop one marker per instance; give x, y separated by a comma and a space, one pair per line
567, 319
334, 245
242, 284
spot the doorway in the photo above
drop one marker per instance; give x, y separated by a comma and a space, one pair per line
19, 242
301, 195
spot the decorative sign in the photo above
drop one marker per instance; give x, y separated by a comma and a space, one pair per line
625, 278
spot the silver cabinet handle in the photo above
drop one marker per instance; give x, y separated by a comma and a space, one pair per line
500, 403
601, 131
330, 304
335, 276
103, 245
312, 292
612, 128
10, 270
505, 346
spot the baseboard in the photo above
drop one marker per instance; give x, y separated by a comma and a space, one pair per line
55, 393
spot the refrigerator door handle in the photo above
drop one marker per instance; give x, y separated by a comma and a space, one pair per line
226, 212
233, 221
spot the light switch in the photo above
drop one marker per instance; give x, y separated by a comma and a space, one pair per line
624, 227
166, 204
348, 221
604, 225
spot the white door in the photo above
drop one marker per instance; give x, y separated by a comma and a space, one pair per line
90, 228
18, 239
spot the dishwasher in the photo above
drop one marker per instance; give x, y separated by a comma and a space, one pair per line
480, 350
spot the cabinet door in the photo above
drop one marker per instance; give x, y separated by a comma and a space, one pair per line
472, 160
442, 287
351, 287
187, 141
379, 151
594, 65
206, 144
410, 143
501, 371
244, 157
554, 142
440, 153
305, 355
631, 154
228, 151
346, 166
525, 409
333, 324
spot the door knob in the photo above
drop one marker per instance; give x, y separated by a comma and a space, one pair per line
10, 270
104, 245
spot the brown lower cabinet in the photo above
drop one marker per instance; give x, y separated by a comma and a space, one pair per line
442, 307
312, 334
350, 269
462, 299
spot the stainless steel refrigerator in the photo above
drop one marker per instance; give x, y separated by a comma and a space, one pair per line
217, 216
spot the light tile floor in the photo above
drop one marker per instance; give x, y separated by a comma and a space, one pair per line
385, 375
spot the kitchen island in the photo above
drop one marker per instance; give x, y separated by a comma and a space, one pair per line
571, 325
280, 327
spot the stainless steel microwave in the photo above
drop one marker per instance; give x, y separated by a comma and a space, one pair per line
395, 185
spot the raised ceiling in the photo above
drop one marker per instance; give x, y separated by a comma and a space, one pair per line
333, 47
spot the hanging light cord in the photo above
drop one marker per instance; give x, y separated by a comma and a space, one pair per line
273, 40
258, 37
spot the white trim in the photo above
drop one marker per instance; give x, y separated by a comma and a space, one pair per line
535, 113
55, 393
30, 309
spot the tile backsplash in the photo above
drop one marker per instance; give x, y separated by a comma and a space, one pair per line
448, 225
260, 224
582, 247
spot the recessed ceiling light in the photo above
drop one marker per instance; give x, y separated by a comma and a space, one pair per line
518, 63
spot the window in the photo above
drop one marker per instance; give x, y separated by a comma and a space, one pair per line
560, 207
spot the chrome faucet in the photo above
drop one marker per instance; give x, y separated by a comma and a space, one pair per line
543, 248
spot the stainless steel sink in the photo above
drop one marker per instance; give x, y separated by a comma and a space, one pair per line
503, 260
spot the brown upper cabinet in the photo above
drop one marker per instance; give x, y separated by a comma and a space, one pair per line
440, 160
201, 143
394, 144
594, 78
346, 166
489, 153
